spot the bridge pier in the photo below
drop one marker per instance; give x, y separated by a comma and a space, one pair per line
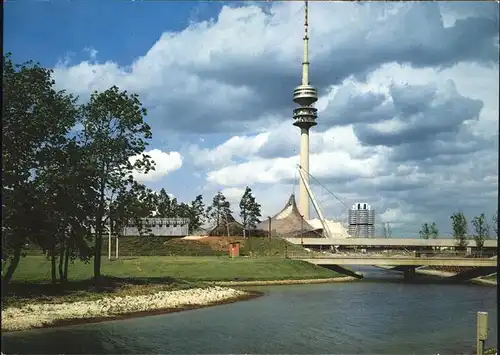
409, 273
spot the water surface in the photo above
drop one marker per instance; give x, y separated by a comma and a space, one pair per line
381, 315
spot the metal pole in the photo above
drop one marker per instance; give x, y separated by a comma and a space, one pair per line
116, 246
109, 241
315, 205
302, 230
482, 331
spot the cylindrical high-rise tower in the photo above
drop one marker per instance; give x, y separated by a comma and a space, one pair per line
305, 116
362, 221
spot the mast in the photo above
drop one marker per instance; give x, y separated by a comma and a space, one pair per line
305, 116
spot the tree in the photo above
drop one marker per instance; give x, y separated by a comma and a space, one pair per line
434, 231
36, 120
387, 230
481, 230
495, 225
116, 135
425, 232
249, 210
132, 204
163, 207
169, 208
65, 189
220, 212
459, 226
196, 213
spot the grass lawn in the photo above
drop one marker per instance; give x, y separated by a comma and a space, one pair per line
147, 274
212, 246
36, 269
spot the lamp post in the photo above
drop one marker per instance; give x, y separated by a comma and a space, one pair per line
302, 230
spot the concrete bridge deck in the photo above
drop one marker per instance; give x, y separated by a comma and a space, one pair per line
409, 243
401, 261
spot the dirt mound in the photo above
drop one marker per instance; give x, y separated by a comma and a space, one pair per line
220, 243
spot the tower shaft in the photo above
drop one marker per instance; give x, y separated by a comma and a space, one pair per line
305, 116
304, 164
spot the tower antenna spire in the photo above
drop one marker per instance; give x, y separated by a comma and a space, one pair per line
305, 60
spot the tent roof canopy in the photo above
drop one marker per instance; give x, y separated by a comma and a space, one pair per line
288, 222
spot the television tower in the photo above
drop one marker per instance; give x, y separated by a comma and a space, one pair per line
305, 116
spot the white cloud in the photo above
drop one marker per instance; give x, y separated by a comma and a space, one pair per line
165, 163
237, 146
414, 168
216, 81
356, 172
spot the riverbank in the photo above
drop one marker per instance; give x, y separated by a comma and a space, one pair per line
42, 315
295, 314
286, 282
446, 274
138, 286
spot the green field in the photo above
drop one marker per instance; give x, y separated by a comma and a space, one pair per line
36, 269
149, 264
166, 246
147, 274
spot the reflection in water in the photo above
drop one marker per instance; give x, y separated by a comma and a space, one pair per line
379, 315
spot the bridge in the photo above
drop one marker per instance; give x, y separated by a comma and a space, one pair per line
388, 243
400, 261
407, 264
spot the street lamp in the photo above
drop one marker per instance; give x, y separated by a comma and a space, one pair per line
302, 230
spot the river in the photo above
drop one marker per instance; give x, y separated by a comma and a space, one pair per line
378, 315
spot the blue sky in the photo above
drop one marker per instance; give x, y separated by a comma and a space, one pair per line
408, 108
51, 31
122, 30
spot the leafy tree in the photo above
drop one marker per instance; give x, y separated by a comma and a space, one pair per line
459, 226
132, 204
387, 230
36, 119
249, 210
164, 205
495, 225
183, 210
196, 213
425, 232
176, 209
114, 131
65, 190
481, 230
170, 208
434, 231
220, 212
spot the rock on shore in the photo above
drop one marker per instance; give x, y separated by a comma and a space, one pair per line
40, 315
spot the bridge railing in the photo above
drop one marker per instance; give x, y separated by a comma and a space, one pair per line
312, 254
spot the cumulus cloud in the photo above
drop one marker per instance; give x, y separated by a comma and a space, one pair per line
408, 107
165, 163
237, 146
408, 164
217, 82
